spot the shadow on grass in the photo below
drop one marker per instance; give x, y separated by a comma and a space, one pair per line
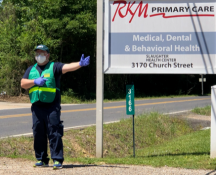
181, 154
81, 166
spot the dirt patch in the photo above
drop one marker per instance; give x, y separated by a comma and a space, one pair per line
80, 149
77, 148
196, 121
18, 99
198, 117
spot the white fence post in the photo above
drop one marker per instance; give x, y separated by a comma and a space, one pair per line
213, 123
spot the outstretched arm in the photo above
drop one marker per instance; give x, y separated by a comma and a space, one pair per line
70, 67
74, 66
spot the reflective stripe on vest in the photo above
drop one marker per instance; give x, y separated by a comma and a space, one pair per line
43, 89
33, 89
47, 89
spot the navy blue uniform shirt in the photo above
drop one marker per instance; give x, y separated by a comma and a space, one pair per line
57, 70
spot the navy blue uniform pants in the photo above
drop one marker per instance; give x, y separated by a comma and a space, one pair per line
47, 125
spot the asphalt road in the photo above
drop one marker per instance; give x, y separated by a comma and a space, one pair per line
19, 121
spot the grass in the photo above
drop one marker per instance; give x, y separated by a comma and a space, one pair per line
68, 99
17, 147
191, 151
188, 151
150, 129
203, 111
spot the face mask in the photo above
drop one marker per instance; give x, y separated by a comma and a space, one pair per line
40, 59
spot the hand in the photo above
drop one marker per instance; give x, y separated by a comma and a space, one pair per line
40, 81
84, 61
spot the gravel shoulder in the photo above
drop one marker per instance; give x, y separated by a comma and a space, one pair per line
25, 167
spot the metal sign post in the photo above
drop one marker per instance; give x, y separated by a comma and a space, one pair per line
100, 81
130, 110
202, 84
202, 80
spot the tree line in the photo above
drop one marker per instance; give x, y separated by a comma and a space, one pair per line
68, 28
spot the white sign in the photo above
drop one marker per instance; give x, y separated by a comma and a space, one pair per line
170, 37
200, 79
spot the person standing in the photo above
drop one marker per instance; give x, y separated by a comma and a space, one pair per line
43, 82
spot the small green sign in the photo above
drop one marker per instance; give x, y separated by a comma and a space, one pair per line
130, 100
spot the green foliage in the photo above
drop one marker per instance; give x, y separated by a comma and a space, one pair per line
11, 64
69, 93
70, 96
67, 27
203, 111
69, 100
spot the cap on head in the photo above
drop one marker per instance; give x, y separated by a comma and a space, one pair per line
42, 47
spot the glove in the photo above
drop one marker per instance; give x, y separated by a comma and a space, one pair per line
84, 61
40, 81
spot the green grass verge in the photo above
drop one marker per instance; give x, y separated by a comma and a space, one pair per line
203, 111
189, 151
160, 140
66, 99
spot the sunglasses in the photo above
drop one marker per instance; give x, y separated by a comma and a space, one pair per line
41, 54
